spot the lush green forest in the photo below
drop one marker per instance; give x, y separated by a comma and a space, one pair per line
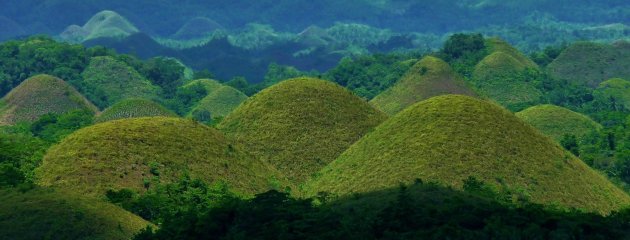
315, 120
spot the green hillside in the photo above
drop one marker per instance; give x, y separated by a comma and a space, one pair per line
506, 79
108, 24
589, 63
208, 84
450, 138
300, 125
428, 78
109, 81
615, 92
499, 45
53, 214
556, 122
133, 153
133, 108
40, 95
221, 102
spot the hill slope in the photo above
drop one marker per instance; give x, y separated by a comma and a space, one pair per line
108, 24
499, 45
131, 153
615, 92
428, 78
507, 80
590, 64
556, 121
52, 214
450, 138
300, 125
133, 108
197, 28
40, 95
109, 81
220, 102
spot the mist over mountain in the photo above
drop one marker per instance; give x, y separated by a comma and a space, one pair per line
165, 18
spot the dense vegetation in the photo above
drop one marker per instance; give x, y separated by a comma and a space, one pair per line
244, 125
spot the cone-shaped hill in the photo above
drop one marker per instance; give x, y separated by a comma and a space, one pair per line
555, 121
197, 28
109, 81
590, 63
44, 213
40, 95
450, 138
614, 91
499, 45
130, 153
134, 108
300, 125
503, 78
428, 78
220, 102
108, 24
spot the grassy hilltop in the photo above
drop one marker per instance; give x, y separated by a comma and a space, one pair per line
40, 95
450, 138
556, 122
300, 125
132, 153
428, 78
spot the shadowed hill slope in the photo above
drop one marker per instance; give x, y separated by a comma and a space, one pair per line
589, 64
53, 214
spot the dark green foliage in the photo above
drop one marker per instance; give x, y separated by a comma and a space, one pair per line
369, 75
23, 59
167, 201
54, 127
569, 142
545, 57
463, 52
20, 154
418, 211
164, 72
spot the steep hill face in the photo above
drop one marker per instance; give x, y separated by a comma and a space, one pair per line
134, 153
220, 102
448, 139
133, 108
43, 213
300, 125
556, 122
428, 78
40, 95
108, 81
504, 78
590, 64
614, 92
